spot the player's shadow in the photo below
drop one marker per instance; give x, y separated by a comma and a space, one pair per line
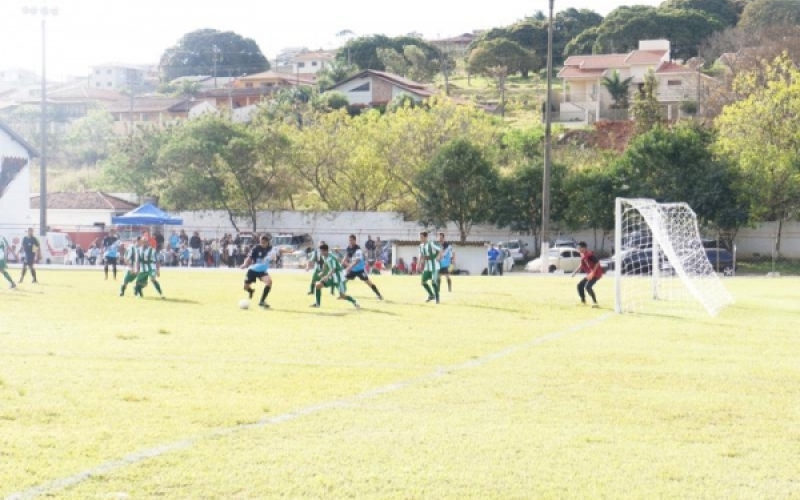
25, 291
495, 308
376, 311
173, 301
316, 312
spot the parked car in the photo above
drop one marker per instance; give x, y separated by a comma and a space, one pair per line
292, 243
518, 250
564, 242
565, 259
722, 260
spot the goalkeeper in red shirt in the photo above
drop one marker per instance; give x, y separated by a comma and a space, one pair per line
594, 271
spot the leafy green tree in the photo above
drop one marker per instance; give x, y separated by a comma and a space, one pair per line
591, 200
723, 11
133, 165
646, 110
618, 88
759, 133
678, 165
194, 54
336, 71
421, 67
503, 53
333, 100
584, 43
763, 13
88, 140
459, 186
362, 52
518, 205
393, 61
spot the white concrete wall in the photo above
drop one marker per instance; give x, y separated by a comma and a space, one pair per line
470, 258
72, 220
397, 91
761, 240
15, 201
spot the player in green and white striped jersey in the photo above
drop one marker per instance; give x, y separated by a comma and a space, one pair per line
4, 251
332, 275
315, 261
429, 263
132, 258
148, 268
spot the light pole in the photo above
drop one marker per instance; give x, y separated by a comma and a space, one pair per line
43, 12
548, 141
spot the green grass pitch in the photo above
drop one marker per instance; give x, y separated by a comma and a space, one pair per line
506, 390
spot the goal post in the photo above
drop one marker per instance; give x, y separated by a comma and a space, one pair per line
659, 262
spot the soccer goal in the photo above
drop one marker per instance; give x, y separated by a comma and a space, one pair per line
660, 264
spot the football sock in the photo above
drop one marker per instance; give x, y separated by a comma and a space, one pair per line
436, 290
350, 299
158, 287
265, 293
319, 296
33, 273
428, 289
375, 289
8, 277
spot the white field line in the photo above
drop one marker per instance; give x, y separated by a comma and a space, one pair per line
155, 452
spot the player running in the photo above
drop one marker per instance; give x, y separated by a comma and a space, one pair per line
429, 262
333, 276
446, 259
4, 250
111, 252
257, 264
594, 271
132, 258
356, 266
148, 268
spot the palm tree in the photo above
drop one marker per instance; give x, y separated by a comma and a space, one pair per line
618, 88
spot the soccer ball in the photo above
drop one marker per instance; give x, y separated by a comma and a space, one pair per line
244, 304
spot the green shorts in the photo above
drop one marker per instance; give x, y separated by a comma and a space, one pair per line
143, 276
430, 275
3, 265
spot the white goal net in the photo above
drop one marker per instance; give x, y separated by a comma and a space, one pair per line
660, 264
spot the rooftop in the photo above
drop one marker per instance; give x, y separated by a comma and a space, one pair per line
94, 200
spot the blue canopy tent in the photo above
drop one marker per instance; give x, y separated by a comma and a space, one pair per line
147, 215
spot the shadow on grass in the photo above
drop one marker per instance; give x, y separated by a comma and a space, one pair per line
25, 291
376, 311
315, 312
172, 300
499, 309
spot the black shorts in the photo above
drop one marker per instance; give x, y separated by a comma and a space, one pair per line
111, 260
444, 270
253, 276
362, 275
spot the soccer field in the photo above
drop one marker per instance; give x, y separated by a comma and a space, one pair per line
506, 390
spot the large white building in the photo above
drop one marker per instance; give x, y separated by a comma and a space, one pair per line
116, 76
15, 182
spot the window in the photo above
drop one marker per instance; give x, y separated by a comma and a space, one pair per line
674, 83
97, 72
108, 71
301, 65
109, 84
361, 88
314, 63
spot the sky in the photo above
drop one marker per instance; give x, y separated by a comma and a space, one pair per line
88, 32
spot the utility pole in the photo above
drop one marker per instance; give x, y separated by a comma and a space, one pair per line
215, 58
548, 141
43, 11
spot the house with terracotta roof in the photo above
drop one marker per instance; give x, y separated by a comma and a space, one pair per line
273, 79
148, 110
378, 88
584, 99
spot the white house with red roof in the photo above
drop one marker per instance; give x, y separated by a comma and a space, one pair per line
584, 99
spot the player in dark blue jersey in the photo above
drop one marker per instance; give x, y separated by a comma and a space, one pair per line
30, 252
356, 266
257, 264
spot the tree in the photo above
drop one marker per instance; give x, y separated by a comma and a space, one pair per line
88, 139
333, 100
723, 11
764, 13
421, 67
591, 200
459, 186
646, 110
518, 205
363, 51
334, 72
759, 133
618, 88
503, 53
393, 61
194, 55
678, 165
